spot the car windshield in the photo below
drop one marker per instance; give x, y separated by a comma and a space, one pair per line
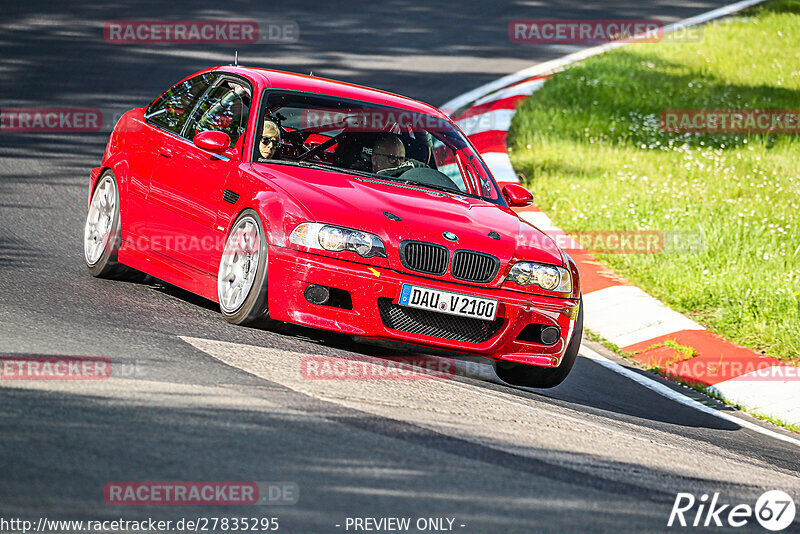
370, 141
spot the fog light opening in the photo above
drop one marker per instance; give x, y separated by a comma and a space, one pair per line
317, 294
550, 335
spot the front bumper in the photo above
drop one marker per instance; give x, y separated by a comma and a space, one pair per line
292, 271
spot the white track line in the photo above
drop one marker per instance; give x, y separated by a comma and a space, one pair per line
551, 66
670, 393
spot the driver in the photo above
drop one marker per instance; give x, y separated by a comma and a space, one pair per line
387, 152
270, 139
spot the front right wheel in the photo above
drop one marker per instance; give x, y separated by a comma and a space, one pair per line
519, 374
101, 233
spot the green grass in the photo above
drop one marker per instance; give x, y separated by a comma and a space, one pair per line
590, 146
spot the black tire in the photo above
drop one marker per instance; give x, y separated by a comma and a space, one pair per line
253, 310
519, 374
107, 266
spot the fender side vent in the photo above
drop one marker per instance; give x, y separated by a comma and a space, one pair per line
230, 197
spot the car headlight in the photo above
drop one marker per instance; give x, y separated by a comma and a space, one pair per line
337, 239
547, 277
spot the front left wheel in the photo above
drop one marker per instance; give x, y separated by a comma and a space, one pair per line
519, 374
242, 276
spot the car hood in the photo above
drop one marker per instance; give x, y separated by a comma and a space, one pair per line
362, 203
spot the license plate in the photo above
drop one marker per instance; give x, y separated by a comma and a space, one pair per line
425, 298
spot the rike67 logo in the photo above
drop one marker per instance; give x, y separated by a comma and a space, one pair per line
774, 510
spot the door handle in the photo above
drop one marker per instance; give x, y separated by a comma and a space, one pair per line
165, 153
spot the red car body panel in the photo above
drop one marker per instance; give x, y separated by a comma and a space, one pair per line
174, 226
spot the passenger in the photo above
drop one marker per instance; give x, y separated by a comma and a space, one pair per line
270, 139
387, 152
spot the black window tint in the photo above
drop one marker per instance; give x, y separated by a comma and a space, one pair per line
223, 109
171, 110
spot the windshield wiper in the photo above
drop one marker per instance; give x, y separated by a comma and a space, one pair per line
429, 186
320, 166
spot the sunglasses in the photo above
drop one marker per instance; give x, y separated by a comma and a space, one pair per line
269, 140
397, 160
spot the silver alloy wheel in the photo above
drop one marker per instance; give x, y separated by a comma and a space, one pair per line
102, 213
237, 269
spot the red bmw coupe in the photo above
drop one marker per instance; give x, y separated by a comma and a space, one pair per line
293, 198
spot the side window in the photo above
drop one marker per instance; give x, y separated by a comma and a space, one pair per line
171, 110
225, 109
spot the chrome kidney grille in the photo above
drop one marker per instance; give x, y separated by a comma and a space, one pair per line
474, 266
433, 259
424, 257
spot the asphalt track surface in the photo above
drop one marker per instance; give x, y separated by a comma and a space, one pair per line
198, 399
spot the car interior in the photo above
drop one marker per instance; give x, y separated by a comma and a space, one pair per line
431, 156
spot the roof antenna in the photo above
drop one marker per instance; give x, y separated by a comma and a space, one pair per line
236, 58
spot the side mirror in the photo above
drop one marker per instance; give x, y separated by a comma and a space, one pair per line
216, 142
517, 196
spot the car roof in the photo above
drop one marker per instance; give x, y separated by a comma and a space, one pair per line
266, 78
